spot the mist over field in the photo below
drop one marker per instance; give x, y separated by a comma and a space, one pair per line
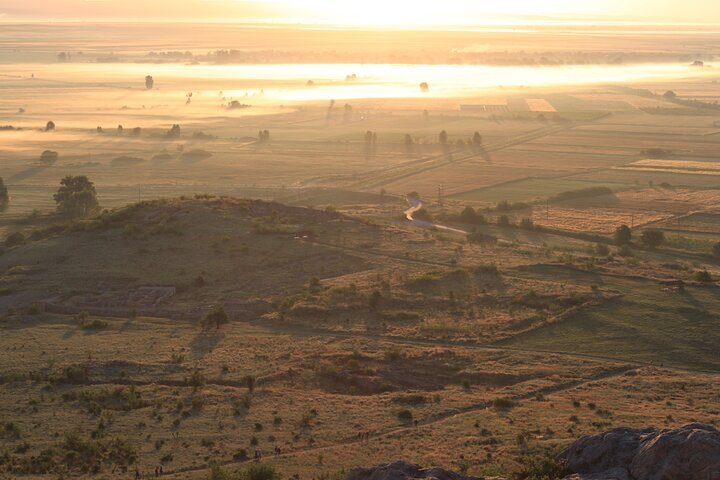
290, 240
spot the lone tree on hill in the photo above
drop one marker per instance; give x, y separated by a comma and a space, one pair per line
652, 238
623, 235
76, 197
217, 317
149, 82
49, 126
477, 139
4, 197
443, 137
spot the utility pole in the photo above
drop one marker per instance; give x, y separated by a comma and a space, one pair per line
547, 211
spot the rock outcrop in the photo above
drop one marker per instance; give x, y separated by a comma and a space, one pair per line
691, 452
407, 471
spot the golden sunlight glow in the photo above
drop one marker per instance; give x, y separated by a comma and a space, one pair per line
404, 12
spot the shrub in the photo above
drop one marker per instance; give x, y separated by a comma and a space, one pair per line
652, 238
75, 374
469, 215
405, 416
503, 403
14, 239
703, 276
260, 471
527, 224
623, 235
505, 206
92, 324
582, 193
249, 382
196, 379
374, 299
602, 249
546, 467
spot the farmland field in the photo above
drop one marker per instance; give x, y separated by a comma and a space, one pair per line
303, 243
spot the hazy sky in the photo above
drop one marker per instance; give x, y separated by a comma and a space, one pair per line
372, 12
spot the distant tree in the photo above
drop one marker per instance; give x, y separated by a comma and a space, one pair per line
670, 95
409, 144
716, 249
99, 130
503, 221
49, 157
623, 235
62, 57
443, 137
652, 238
347, 113
137, 131
120, 129
217, 318
468, 215
4, 197
149, 82
49, 126
76, 196
527, 224
424, 87
477, 139
174, 131
263, 136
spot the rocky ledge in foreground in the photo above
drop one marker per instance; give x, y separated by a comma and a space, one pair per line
691, 452
407, 471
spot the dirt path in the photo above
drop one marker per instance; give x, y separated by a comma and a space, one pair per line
429, 422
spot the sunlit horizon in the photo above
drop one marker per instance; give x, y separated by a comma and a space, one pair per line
371, 13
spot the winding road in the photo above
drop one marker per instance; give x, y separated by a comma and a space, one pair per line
415, 206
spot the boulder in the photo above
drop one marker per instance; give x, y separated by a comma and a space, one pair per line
599, 453
691, 452
406, 471
617, 473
